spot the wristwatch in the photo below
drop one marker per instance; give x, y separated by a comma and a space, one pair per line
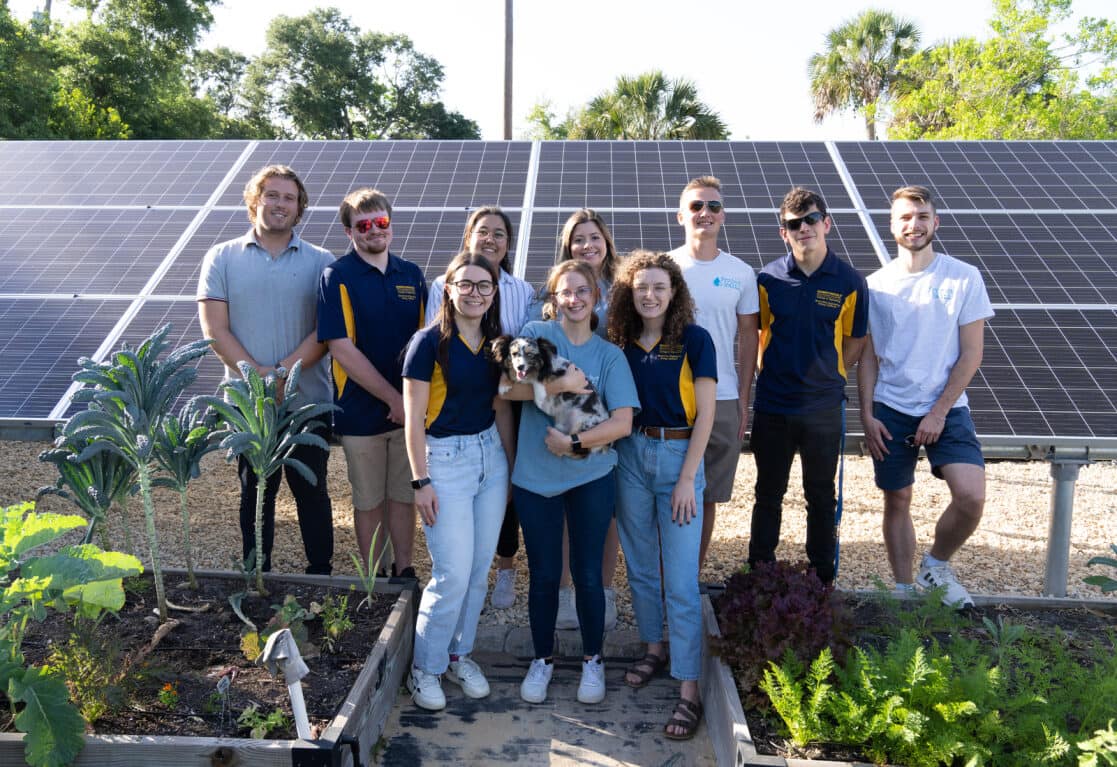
419, 484
280, 371
576, 445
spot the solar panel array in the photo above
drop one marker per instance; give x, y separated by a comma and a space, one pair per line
102, 242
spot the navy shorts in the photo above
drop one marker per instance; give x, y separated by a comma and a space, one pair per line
957, 444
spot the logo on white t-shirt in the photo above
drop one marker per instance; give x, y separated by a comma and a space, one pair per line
727, 282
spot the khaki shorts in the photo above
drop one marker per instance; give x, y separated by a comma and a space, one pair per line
378, 468
722, 453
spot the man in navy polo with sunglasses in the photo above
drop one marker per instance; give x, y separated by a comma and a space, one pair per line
370, 302
813, 321
724, 291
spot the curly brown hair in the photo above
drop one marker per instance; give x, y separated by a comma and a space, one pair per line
254, 189
625, 324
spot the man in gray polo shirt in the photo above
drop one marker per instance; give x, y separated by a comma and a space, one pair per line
257, 299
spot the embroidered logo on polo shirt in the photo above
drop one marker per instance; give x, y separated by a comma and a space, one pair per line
406, 292
727, 282
828, 298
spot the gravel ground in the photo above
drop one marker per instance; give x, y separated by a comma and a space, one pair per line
1005, 556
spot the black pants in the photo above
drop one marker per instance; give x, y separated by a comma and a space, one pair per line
312, 502
509, 541
775, 439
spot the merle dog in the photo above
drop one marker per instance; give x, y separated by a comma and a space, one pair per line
536, 361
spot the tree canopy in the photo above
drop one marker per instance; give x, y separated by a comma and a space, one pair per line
646, 106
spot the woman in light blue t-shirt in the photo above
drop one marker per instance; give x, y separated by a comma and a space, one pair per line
555, 481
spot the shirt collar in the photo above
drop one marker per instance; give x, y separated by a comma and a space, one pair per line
829, 263
250, 239
393, 260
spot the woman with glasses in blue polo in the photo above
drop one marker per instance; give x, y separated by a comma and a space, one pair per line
459, 435
660, 475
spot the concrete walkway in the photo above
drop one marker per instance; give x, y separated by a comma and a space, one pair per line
625, 729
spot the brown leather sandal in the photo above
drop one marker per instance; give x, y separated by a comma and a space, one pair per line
687, 715
645, 669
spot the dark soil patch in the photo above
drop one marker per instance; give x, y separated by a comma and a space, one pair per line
205, 646
1081, 630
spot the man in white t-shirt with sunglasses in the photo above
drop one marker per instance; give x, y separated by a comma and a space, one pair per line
726, 305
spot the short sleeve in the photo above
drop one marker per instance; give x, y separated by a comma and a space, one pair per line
211, 281
419, 362
749, 300
331, 312
701, 353
861, 311
977, 305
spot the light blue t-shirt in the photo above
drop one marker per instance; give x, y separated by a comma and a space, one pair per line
537, 468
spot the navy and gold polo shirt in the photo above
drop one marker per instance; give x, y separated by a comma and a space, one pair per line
461, 397
803, 320
665, 377
378, 312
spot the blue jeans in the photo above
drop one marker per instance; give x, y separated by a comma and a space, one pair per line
470, 477
587, 509
647, 471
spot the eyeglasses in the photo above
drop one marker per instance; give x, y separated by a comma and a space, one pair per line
812, 218
483, 288
364, 226
583, 292
498, 235
715, 206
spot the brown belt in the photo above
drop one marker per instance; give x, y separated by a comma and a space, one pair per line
658, 432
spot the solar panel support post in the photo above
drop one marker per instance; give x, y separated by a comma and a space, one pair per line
1064, 475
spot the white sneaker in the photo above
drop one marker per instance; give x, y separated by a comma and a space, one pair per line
610, 609
592, 687
426, 690
942, 576
504, 590
567, 612
534, 687
465, 672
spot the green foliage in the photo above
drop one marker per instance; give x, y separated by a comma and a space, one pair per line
258, 724
1100, 749
89, 661
80, 577
128, 399
28, 85
1024, 82
1103, 582
368, 576
859, 67
644, 106
334, 612
263, 429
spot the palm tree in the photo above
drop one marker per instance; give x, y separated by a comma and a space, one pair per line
859, 67
649, 106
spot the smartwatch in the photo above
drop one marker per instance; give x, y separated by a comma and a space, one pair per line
419, 484
576, 445
280, 371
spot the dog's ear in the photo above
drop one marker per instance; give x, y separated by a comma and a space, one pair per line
499, 348
546, 346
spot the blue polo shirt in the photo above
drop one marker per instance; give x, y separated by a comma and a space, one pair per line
378, 312
461, 395
665, 376
803, 320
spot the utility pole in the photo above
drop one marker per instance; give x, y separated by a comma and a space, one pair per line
507, 70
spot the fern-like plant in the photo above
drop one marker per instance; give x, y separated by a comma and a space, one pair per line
262, 429
93, 485
128, 398
180, 445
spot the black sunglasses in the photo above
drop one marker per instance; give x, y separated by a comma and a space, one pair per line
364, 226
715, 206
811, 219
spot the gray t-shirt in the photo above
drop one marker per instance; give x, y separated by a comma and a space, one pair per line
273, 302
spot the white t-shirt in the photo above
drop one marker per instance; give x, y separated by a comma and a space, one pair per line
722, 289
914, 321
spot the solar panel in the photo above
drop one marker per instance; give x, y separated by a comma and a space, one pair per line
988, 175
114, 172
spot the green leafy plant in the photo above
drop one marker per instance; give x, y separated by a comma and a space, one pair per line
93, 484
368, 576
1103, 582
180, 445
259, 724
168, 695
263, 430
81, 577
128, 398
288, 615
334, 612
89, 661
1100, 749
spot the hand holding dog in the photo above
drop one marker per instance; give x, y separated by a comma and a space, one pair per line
558, 442
573, 381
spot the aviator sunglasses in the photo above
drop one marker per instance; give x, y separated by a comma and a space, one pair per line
812, 218
364, 226
715, 206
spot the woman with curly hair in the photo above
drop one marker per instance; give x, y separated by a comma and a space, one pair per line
660, 475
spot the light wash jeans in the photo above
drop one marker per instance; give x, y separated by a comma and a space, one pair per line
470, 476
646, 474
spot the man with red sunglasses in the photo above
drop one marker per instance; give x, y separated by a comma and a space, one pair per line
724, 291
370, 303
256, 297
813, 321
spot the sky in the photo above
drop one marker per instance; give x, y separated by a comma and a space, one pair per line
747, 57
